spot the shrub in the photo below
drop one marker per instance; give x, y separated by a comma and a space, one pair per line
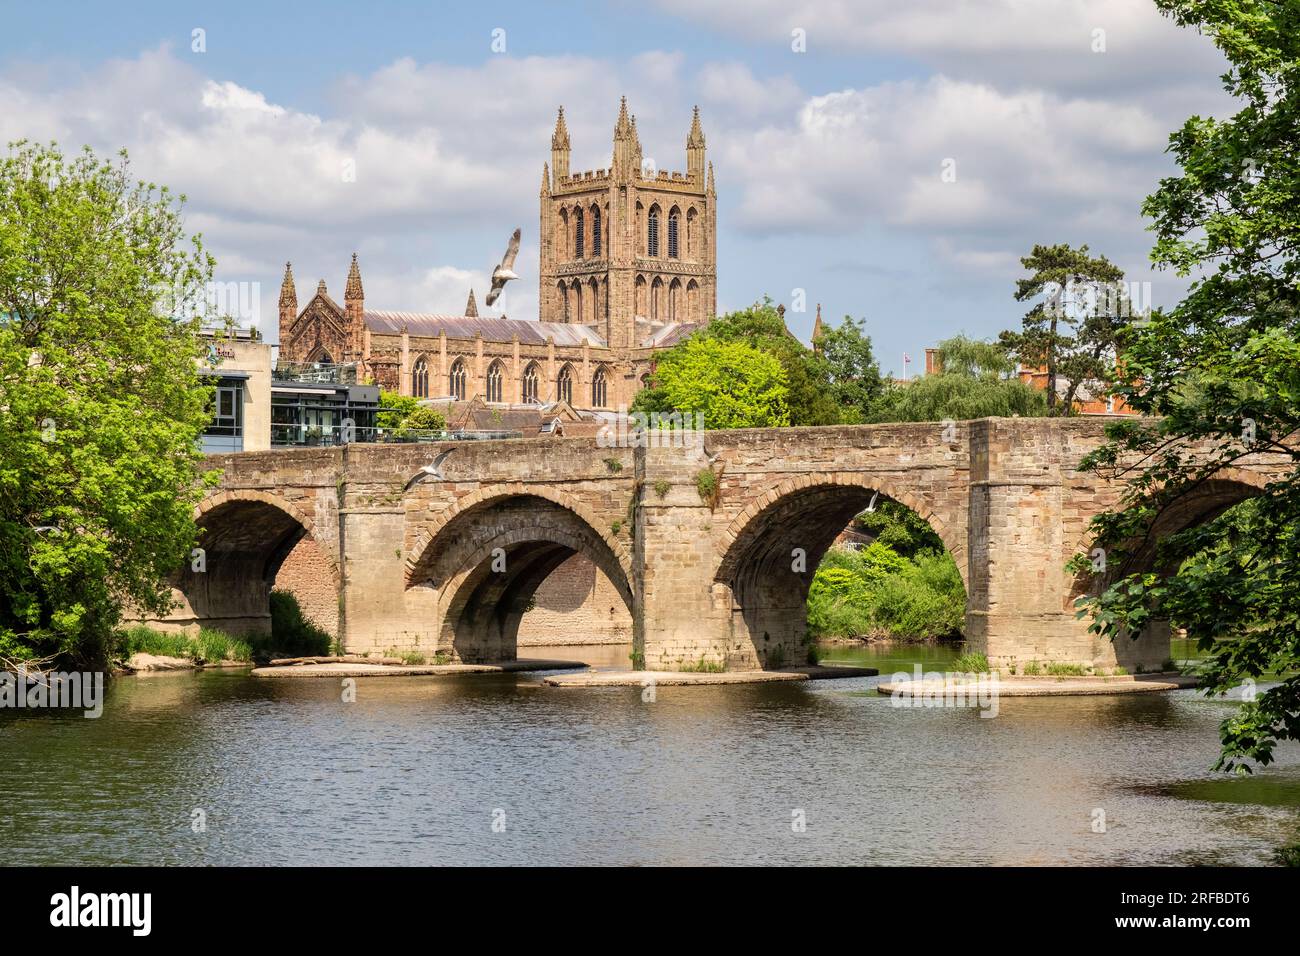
970, 663
293, 634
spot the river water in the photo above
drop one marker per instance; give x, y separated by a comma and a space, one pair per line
499, 770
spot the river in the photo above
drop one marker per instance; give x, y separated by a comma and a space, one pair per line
499, 770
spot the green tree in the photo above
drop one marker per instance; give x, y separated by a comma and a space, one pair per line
900, 529
849, 365
809, 397
734, 384
422, 418
1221, 371
1072, 327
101, 403
393, 409
974, 381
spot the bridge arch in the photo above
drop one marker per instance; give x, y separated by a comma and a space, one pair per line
1198, 505
766, 578
245, 536
485, 558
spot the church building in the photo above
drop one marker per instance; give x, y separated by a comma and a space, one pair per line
628, 266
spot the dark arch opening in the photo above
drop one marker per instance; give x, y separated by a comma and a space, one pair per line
488, 562
771, 565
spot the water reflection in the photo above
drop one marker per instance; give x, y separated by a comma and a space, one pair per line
412, 772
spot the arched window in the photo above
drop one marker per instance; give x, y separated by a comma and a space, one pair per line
494, 382
598, 388
579, 234
652, 232
595, 232
456, 380
673, 218
531, 382
692, 235
640, 305
564, 385
674, 300
656, 299
563, 292
593, 311
420, 378
562, 245
692, 301
577, 302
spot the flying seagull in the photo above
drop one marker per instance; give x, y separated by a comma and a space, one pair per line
506, 271
872, 505
429, 471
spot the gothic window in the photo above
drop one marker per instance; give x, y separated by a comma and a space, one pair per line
593, 312
420, 378
577, 302
673, 218
598, 388
692, 235
640, 297
494, 382
456, 380
531, 380
564, 302
656, 296
652, 232
692, 301
579, 234
562, 245
595, 232
564, 385
674, 300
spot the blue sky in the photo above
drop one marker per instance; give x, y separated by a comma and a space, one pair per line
828, 160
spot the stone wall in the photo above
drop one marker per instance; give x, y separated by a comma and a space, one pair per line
576, 604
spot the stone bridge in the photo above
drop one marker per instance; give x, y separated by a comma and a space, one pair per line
702, 543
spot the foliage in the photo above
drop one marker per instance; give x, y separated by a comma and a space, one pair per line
393, 409
209, 645
706, 483
834, 387
101, 402
971, 662
422, 418
900, 529
975, 382
849, 365
1073, 327
293, 634
733, 384
1222, 370
874, 591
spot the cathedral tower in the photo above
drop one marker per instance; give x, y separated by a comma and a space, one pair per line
630, 248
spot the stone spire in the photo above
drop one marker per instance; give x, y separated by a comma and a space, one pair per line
625, 161
353, 289
712, 191
696, 136
288, 311
695, 149
320, 288
471, 307
636, 147
817, 330
560, 148
546, 179
288, 294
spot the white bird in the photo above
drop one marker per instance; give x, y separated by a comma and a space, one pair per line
506, 271
429, 471
871, 506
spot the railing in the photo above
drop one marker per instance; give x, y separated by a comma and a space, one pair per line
316, 373
311, 435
